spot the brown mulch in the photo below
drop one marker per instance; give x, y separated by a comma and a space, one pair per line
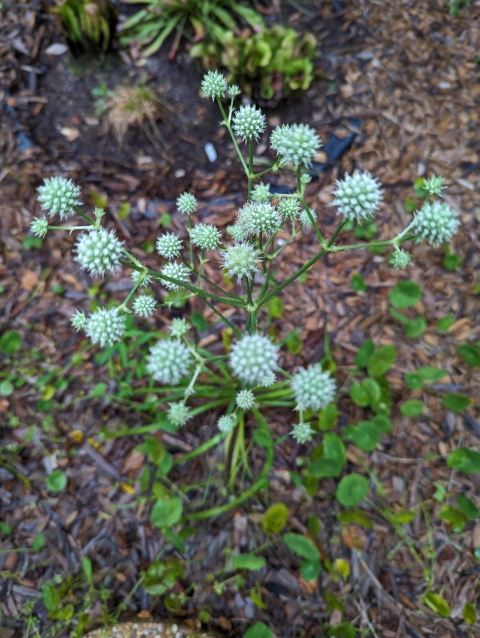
408, 73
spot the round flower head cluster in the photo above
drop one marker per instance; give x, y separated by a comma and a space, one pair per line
98, 251
175, 271
305, 219
205, 236
237, 232
214, 85
39, 226
434, 185
245, 399
297, 144
240, 260
436, 222
357, 196
169, 361
302, 432
59, 195
257, 218
105, 326
78, 320
142, 278
144, 305
261, 193
179, 327
277, 136
268, 380
289, 208
234, 90
249, 123
313, 388
178, 414
187, 203
400, 259
226, 423
253, 357
169, 245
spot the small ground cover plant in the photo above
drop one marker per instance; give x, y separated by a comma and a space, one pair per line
185, 380
88, 25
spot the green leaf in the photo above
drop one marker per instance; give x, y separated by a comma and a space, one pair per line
469, 614
444, 323
199, 321
275, 308
438, 604
64, 613
412, 408
468, 507
381, 360
38, 542
87, 570
57, 481
6, 388
176, 540
248, 561
167, 511
275, 518
430, 373
454, 516
328, 417
450, 262
405, 294
162, 575
470, 353
352, 489
310, 569
263, 438
456, 402
359, 395
355, 516
464, 460
364, 435
302, 546
358, 283
51, 597
399, 316
10, 342
381, 422
294, 343
415, 328
31, 242
258, 630
342, 630
333, 602
313, 525
364, 353
403, 517
333, 459
373, 390
124, 210
154, 448
99, 390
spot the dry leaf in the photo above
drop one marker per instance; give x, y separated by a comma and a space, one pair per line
29, 280
353, 537
70, 133
56, 49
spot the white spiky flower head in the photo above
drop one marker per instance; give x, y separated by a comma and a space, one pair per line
234, 90
141, 277
240, 260
289, 208
259, 217
277, 135
187, 203
59, 195
214, 85
98, 212
302, 432
268, 380
179, 327
297, 144
226, 423
169, 360
169, 245
261, 193
434, 185
237, 232
39, 226
253, 357
175, 271
400, 259
249, 123
78, 320
436, 222
144, 305
205, 236
305, 219
105, 326
313, 388
98, 251
178, 414
358, 196
245, 399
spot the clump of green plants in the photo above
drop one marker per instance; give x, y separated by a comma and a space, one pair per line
455, 7
88, 25
247, 380
276, 60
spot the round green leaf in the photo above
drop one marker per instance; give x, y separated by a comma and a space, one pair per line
275, 518
454, 516
359, 394
456, 402
302, 546
248, 561
405, 294
262, 438
258, 630
469, 614
412, 408
444, 323
464, 460
438, 604
57, 481
166, 511
310, 569
381, 422
328, 417
10, 342
358, 283
352, 489
342, 630
470, 353
364, 435
51, 597
468, 507
430, 373
415, 328
6, 388
333, 458
381, 360
364, 353
162, 575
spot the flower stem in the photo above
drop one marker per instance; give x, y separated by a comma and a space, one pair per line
227, 124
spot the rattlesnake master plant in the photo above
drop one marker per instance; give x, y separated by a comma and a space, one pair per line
249, 376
